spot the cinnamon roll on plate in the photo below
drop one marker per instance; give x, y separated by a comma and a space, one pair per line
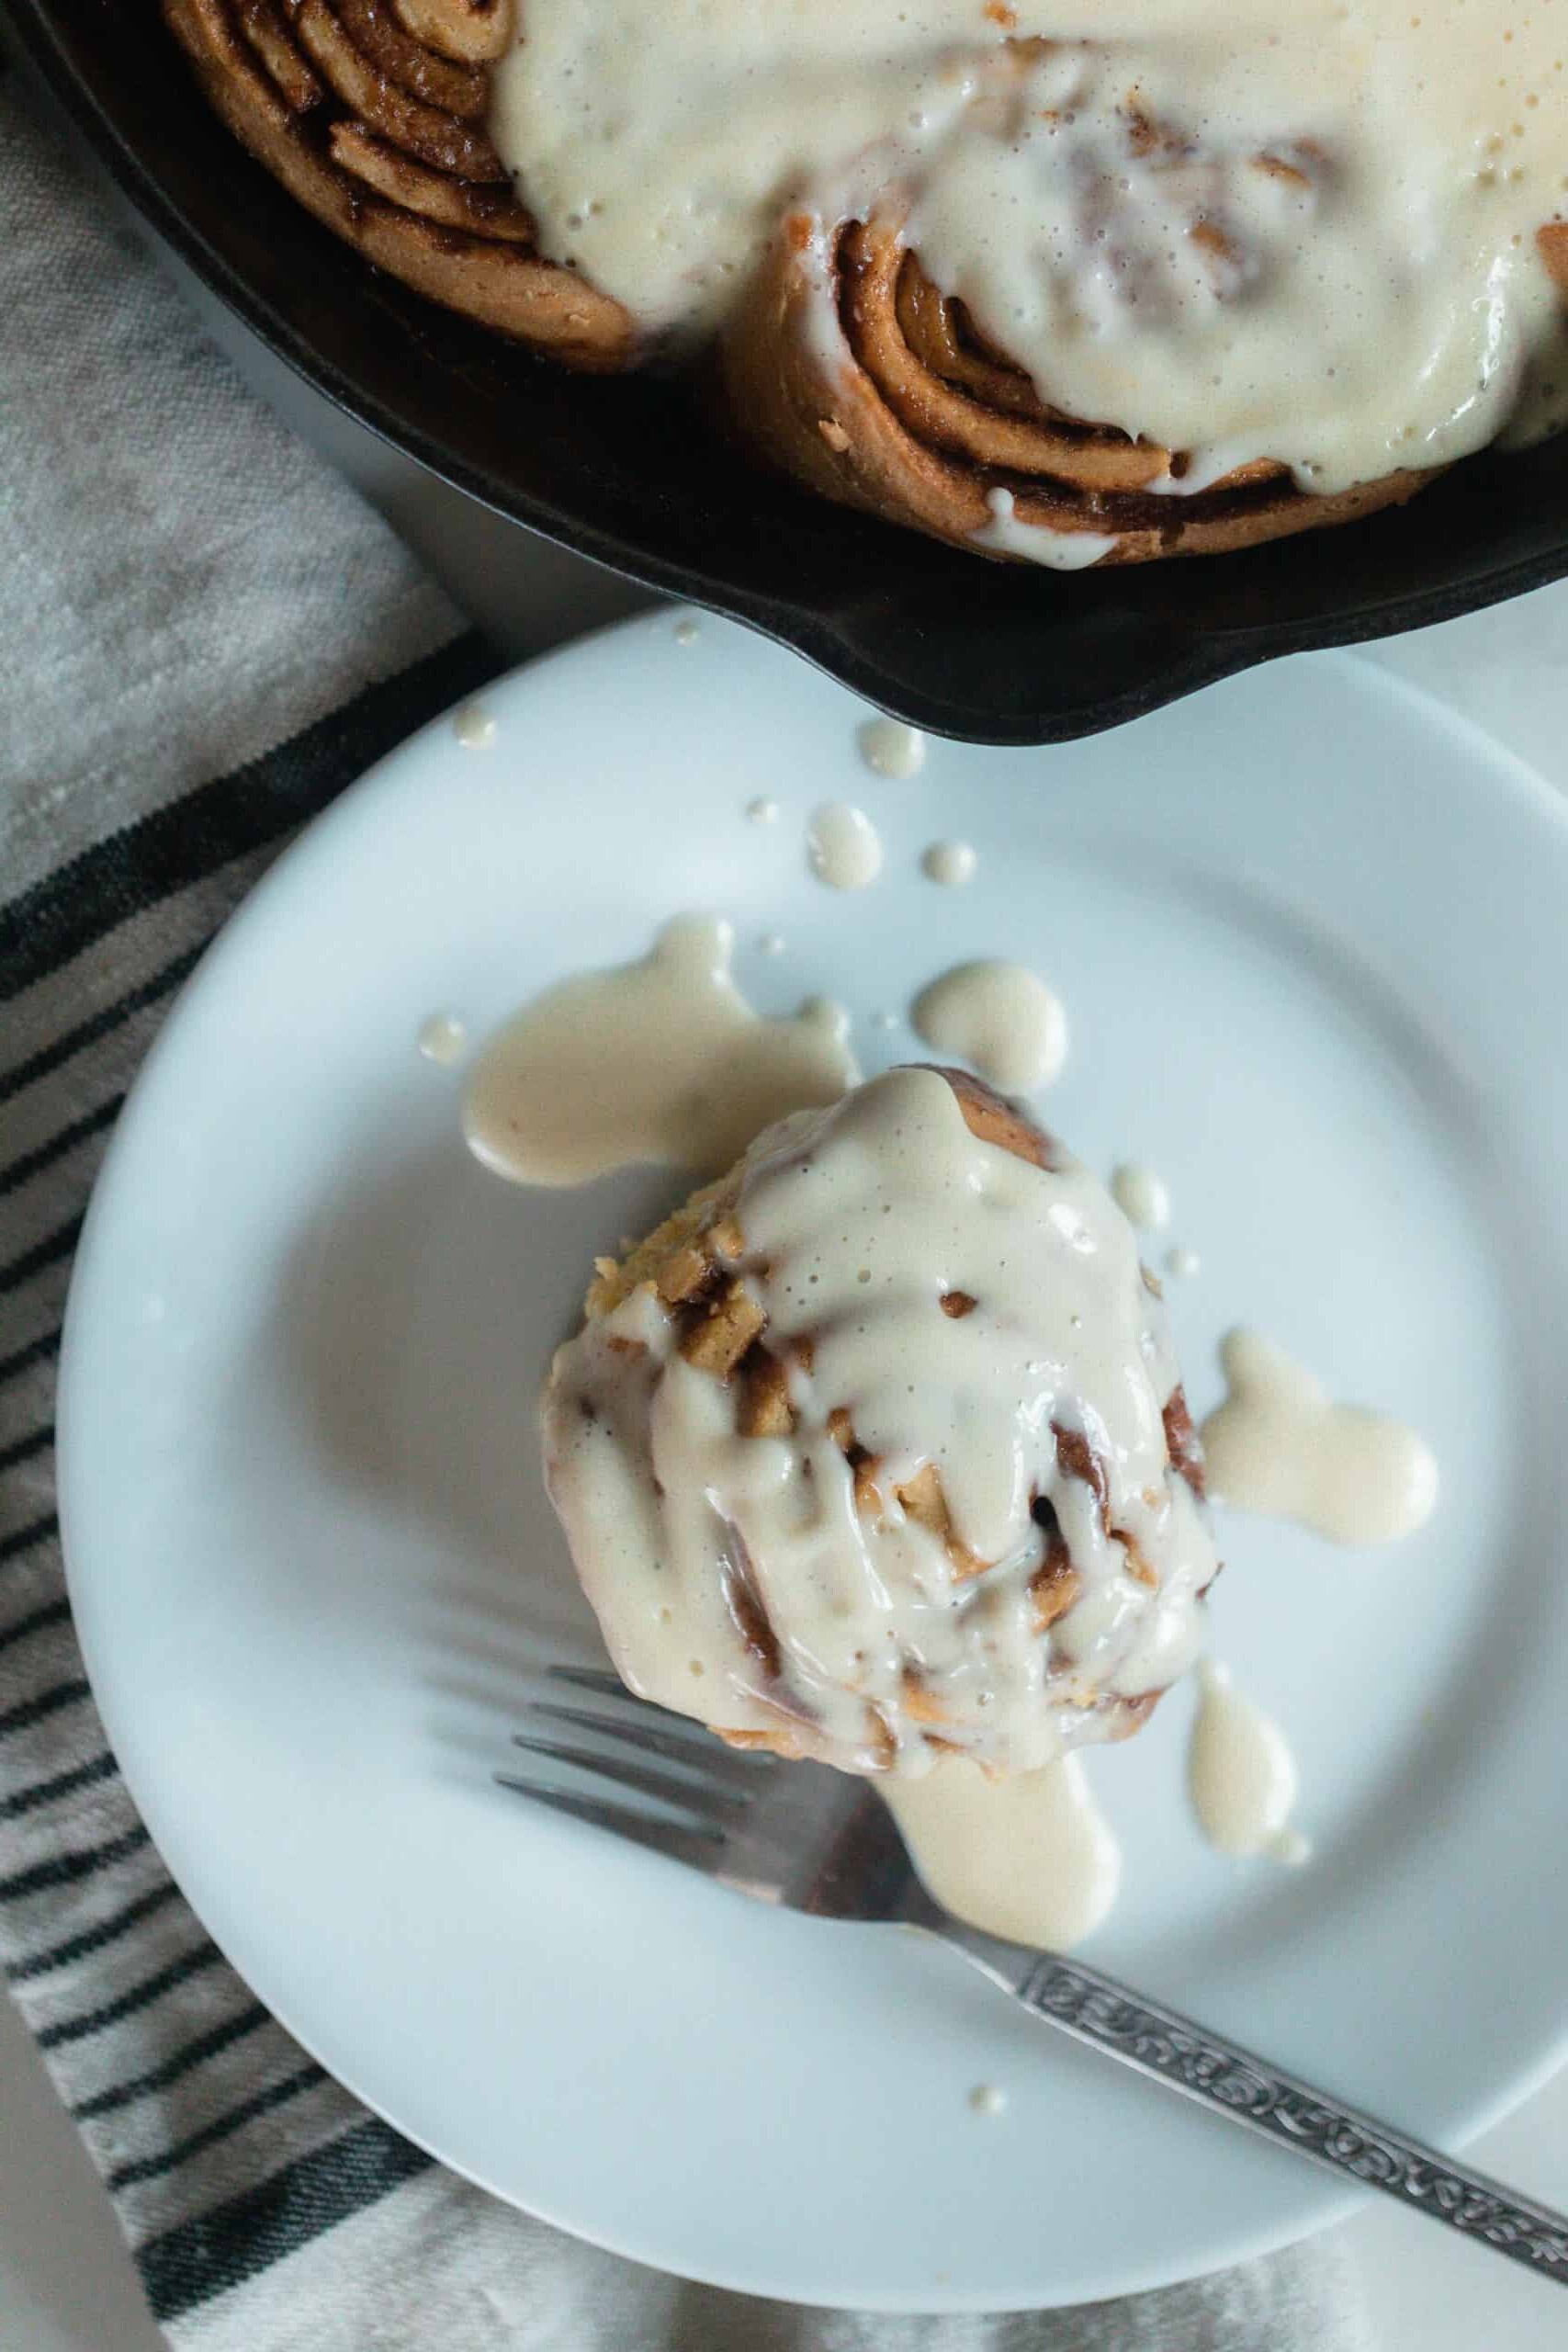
878, 1452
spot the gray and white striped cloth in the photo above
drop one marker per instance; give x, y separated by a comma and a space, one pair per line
207, 638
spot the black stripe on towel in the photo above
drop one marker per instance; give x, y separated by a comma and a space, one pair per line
191, 1963
49, 1613
169, 849
43, 1255
67, 1870
36, 1709
189, 2055
201, 2257
62, 1784
196, 2143
71, 1041
36, 1441
37, 1350
26, 1538
96, 1939
32, 1163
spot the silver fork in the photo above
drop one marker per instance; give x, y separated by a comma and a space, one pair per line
817, 1840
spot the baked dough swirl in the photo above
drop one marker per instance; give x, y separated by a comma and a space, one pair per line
876, 1451
373, 114
849, 368
1007, 384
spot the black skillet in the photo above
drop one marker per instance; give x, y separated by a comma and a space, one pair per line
627, 471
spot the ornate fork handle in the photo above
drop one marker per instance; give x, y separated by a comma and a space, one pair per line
1172, 2048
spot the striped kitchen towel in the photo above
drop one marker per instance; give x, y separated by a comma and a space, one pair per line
207, 638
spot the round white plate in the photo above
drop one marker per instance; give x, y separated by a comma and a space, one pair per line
1310, 934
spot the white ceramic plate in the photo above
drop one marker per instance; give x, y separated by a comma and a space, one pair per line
1310, 934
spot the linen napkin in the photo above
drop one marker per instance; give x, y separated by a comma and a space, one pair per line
207, 636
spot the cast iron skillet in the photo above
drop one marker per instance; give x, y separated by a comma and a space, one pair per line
627, 471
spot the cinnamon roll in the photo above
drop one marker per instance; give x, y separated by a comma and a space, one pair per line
878, 1452
1169, 278
374, 116
851, 370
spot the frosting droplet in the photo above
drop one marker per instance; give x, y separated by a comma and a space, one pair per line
891, 749
661, 1060
949, 864
474, 727
1141, 1196
845, 846
1280, 1445
1001, 1017
442, 1038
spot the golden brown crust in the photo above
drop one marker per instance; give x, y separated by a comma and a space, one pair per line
1055, 1584
426, 133
678, 1257
956, 394
991, 1118
1181, 1442
1552, 244
435, 196
724, 1328
794, 1746
847, 368
373, 119
474, 32
262, 27
459, 90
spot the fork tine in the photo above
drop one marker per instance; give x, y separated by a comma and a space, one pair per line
706, 1754
597, 1678
604, 1685
669, 1788
650, 1716
677, 1842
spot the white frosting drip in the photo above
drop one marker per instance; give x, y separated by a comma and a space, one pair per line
951, 864
474, 727
1241, 1775
1280, 1445
442, 1038
1240, 231
661, 1060
845, 846
890, 748
1000, 1016
855, 1224
1008, 533
1142, 1196
1032, 1859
